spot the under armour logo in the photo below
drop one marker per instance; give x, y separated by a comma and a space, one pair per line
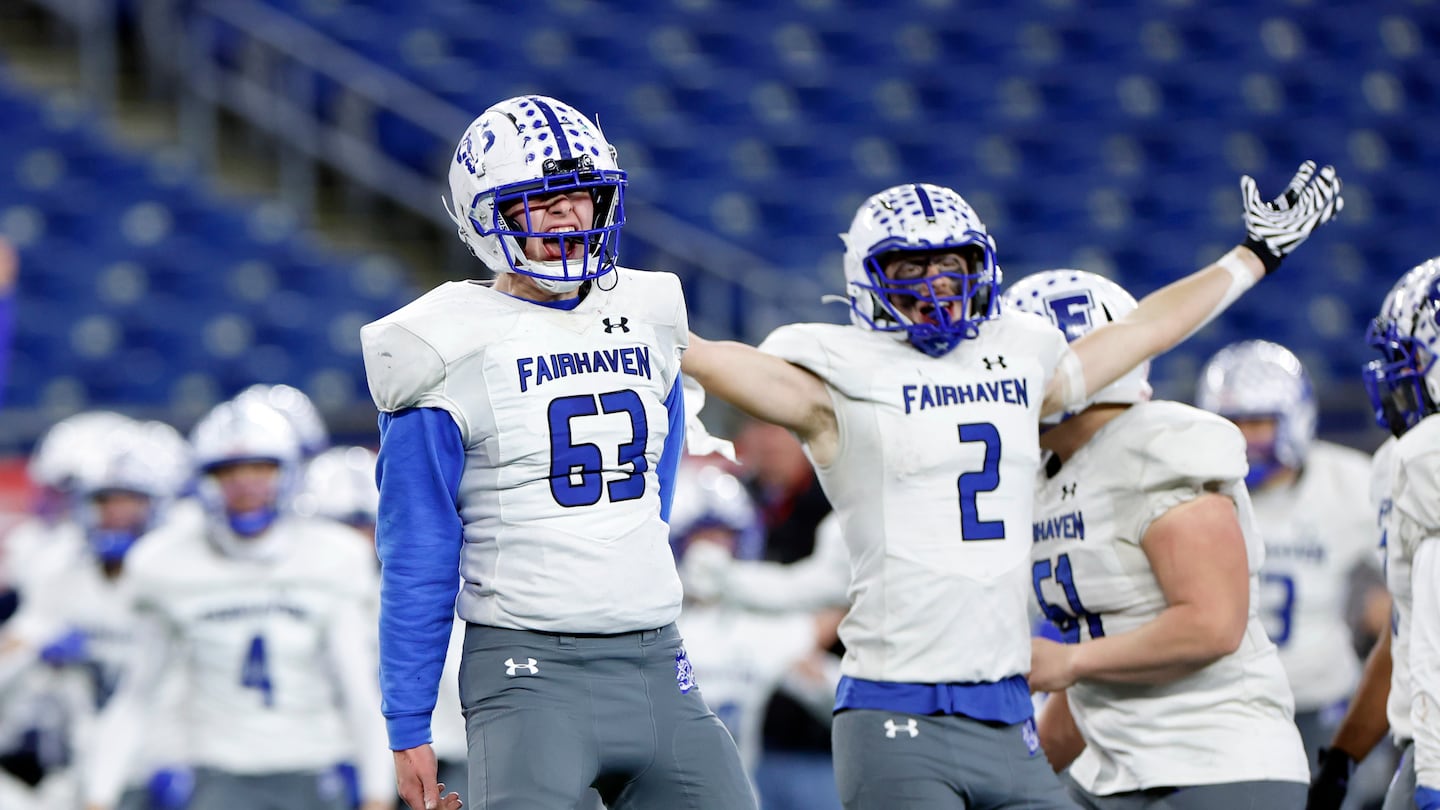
512, 669
998, 362
1068, 490
911, 727
623, 325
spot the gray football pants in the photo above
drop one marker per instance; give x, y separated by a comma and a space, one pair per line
1267, 795
1401, 795
305, 790
548, 716
896, 761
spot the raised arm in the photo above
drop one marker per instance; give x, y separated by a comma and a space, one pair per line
765, 387
1174, 312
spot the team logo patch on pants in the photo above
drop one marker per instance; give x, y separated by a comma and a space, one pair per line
684, 672
1031, 736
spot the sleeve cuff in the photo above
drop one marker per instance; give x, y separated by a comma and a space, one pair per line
408, 731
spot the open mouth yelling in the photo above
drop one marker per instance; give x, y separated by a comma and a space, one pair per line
929, 313
570, 248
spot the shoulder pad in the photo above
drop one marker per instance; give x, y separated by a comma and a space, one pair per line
1177, 445
400, 367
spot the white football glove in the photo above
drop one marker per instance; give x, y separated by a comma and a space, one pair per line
1275, 228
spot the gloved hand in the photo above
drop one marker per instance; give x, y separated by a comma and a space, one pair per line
171, 788
69, 648
1331, 780
1275, 228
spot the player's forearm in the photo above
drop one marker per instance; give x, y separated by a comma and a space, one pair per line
1060, 738
1182, 640
1164, 318
762, 385
809, 584
1365, 723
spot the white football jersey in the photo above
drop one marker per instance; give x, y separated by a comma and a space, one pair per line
1229, 722
933, 487
740, 658
1412, 545
36, 550
540, 397
278, 652
1316, 530
79, 597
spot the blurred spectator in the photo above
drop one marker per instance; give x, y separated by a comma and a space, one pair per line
9, 270
795, 770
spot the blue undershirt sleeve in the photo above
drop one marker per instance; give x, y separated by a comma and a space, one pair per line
418, 538
674, 448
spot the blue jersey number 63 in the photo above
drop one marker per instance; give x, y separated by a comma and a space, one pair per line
575, 466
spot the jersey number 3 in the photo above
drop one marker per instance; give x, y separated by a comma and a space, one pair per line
575, 467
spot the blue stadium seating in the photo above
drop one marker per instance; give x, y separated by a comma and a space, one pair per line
1111, 130
132, 281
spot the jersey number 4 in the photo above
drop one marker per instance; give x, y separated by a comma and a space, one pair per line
255, 672
575, 467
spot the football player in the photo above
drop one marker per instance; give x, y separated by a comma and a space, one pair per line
1145, 555
530, 430
50, 538
920, 419
1313, 516
270, 617
73, 632
1404, 387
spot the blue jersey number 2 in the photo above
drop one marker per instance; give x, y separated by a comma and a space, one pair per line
986, 479
575, 466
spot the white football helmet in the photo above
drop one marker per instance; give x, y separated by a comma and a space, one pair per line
298, 410
146, 462
1404, 385
1257, 379
65, 449
919, 217
240, 431
61, 455
708, 497
530, 147
1077, 302
340, 485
